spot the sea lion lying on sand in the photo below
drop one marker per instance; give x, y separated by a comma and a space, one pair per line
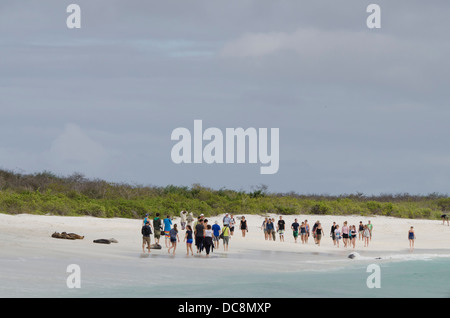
155, 246
67, 236
105, 241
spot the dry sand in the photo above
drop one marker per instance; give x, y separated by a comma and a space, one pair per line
29, 235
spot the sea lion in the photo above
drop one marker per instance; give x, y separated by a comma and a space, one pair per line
67, 236
353, 255
102, 241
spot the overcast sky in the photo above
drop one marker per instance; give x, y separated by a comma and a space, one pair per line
359, 109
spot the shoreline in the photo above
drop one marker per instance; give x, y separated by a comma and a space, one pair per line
33, 263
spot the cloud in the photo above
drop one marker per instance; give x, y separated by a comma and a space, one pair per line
74, 148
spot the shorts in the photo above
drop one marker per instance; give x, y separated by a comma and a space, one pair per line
167, 233
173, 240
318, 236
281, 232
295, 233
345, 236
226, 239
146, 240
157, 234
216, 238
189, 241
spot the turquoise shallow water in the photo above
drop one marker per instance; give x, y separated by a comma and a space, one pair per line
221, 277
409, 279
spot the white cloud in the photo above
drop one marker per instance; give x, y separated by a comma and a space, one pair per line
75, 148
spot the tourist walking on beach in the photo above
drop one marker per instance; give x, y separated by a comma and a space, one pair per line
361, 231
199, 233
183, 216
144, 221
244, 226
337, 234
269, 228
225, 237
354, 234
157, 226
216, 234
146, 231
188, 239
280, 228
295, 226
370, 226
366, 235
445, 218
332, 235
205, 225
190, 219
307, 231
411, 238
345, 231
314, 231
173, 233
209, 245
264, 228
226, 220
318, 233
303, 234
232, 224
167, 228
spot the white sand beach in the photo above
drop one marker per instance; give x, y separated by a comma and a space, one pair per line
26, 234
28, 253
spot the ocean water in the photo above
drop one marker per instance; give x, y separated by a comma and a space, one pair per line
258, 275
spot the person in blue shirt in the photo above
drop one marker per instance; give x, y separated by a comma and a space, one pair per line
167, 228
145, 220
216, 234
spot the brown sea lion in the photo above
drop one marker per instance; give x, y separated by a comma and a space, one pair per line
67, 236
76, 236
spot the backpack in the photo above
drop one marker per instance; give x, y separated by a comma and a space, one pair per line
146, 230
157, 224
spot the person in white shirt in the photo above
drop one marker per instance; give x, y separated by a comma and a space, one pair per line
209, 245
183, 215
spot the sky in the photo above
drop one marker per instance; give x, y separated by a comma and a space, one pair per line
358, 109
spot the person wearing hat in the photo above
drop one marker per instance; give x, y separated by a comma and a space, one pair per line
146, 231
145, 219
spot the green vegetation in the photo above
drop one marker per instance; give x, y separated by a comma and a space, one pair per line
75, 195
